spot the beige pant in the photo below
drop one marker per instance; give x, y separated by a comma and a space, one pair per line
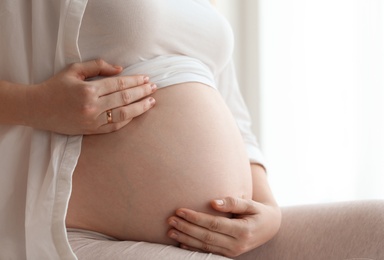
338, 231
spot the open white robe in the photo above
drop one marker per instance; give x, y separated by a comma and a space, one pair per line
37, 39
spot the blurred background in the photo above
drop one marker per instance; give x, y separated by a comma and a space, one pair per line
312, 74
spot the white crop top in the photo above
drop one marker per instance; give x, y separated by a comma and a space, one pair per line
171, 41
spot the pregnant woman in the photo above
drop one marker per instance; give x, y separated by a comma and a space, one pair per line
184, 152
145, 159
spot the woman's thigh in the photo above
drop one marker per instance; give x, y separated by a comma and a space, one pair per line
348, 230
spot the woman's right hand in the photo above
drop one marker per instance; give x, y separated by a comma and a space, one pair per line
69, 104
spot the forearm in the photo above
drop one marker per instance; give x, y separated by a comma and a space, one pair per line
13, 105
261, 190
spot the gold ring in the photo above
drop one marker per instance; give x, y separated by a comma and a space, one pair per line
109, 116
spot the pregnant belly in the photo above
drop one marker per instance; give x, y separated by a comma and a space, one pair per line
184, 152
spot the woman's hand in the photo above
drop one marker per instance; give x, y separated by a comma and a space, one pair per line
68, 104
253, 224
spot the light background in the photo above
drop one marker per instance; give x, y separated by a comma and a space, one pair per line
312, 74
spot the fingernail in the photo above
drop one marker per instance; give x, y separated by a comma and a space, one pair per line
181, 214
117, 67
146, 79
153, 87
152, 101
173, 223
219, 202
173, 235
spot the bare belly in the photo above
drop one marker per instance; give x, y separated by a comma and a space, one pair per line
184, 152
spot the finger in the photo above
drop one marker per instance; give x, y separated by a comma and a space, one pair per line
108, 128
214, 223
127, 113
193, 244
236, 206
107, 86
94, 68
210, 229
123, 115
125, 97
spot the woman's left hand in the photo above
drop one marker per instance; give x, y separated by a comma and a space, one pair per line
253, 224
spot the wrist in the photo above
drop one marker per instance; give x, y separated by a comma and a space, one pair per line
33, 105
14, 110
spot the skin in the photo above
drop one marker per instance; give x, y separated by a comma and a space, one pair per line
182, 153
262, 221
68, 104
256, 221
123, 160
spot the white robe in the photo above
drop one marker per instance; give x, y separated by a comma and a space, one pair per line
36, 166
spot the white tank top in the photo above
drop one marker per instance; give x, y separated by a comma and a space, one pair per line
171, 41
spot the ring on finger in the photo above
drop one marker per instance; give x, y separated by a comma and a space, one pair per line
109, 116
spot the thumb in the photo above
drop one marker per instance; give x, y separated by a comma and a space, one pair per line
235, 206
95, 68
